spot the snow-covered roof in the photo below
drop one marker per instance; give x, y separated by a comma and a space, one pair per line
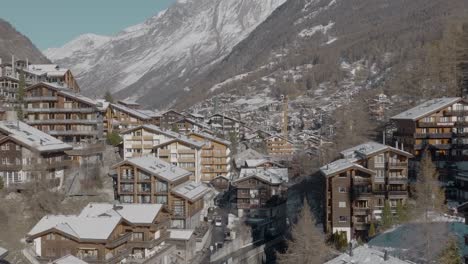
128, 101
191, 190
240, 158
158, 167
3, 252
169, 133
180, 234
78, 97
149, 113
366, 255
427, 108
340, 165
130, 111
271, 175
32, 137
51, 70
80, 227
133, 213
368, 149
194, 122
196, 115
69, 259
253, 163
182, 139
212, 138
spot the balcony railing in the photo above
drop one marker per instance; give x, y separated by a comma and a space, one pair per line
398, 180
119, 241
397, 164
71, 133
62, 121
433, 135
436, 124
60, 110
361, 210
437, 146
40, 98
398, 193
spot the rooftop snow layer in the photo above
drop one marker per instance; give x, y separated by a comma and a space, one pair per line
337, 165
79, 227
133, 213
32, 137
180, 234
272, 175
364, 255
365, 150
131, 111
159, 167
3, 252
69, 259
212, 138
427, 108
191, 190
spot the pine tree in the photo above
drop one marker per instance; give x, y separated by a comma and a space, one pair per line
387, 218
108, 97
372, 231
451, 254
307, 244
402, 213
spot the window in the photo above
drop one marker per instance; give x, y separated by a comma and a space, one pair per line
343, 218
137, 236
342, 189
161, 186
342, 204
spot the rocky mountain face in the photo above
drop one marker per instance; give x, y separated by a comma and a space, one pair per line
154, 61
14, 43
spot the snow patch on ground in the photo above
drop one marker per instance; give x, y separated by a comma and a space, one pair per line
228, 81
309, 32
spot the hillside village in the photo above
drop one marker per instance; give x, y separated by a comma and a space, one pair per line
316, 149
200, 185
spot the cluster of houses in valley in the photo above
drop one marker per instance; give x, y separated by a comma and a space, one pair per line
174, 163
172, 166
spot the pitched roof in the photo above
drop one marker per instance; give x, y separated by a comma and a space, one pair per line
365, 254
342, 165
47, 69
133, 213
252, 163
3, 252
368, 149
271, 175
211, 137
227, 117
180, 234
158, 167
99, 228
130, 111
69, 259
191, 190
32, 137
182, 139
193, 122
427, 108
66, 92
149, 113
240, 158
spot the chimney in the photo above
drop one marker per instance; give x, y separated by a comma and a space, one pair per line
402, 148
383, 137
13, 64
396, 144
385, 255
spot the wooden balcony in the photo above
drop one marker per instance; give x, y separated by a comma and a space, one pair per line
436, 124
398, 180
397, 165
40, 99
60, 110
72, 132
361, 210
400, 193
119, 240
62, 121
433, 135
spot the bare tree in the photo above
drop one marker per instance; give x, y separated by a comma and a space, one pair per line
307, 244
451, 254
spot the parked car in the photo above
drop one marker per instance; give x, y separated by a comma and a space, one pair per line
218, 221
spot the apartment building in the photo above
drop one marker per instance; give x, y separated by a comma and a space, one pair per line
279, 147
182, 152
120, 117
28, 154
186, 125
226, 125
441, 125
359, 184
215, 156
62, 113
151, 180
50, 73
104, 233
255, 187
169, 117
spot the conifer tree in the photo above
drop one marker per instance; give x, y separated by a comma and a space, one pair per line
307, 244
387, 218
451, 254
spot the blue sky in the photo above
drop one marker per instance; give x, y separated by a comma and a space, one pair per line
52, 23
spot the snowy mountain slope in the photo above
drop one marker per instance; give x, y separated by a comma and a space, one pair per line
154, 60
